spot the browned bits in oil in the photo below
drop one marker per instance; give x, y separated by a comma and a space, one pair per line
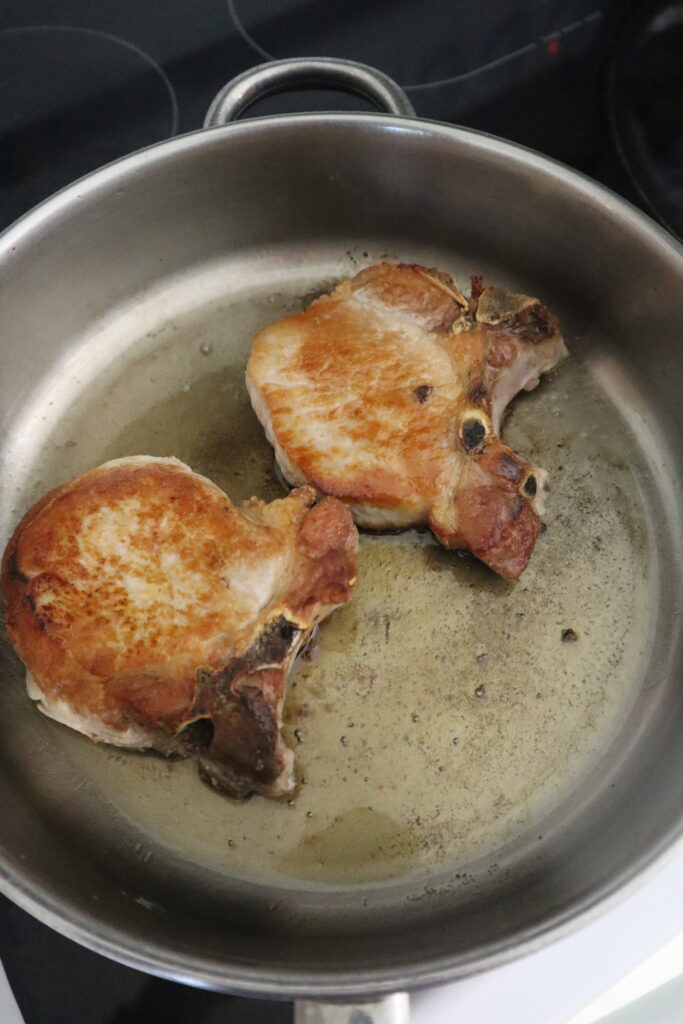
344, 740
569, 636
415, 717
480, 691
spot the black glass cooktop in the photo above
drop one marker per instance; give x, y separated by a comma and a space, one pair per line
83, 83
594, 83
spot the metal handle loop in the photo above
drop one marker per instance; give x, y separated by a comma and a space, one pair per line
306, 73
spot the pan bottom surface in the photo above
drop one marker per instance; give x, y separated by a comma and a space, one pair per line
445, 721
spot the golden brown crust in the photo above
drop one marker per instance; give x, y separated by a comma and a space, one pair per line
126, 585
388, 392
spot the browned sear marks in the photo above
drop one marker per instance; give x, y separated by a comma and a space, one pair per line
388, 394
152, 612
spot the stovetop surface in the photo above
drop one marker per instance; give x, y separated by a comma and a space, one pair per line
84, 83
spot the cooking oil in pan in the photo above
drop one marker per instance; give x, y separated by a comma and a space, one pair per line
444, 711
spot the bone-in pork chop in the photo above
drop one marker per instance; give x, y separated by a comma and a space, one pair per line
388, 394
151, 612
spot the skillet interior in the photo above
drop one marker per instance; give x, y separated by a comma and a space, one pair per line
129, 303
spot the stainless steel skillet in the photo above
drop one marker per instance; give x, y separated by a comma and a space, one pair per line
474, 783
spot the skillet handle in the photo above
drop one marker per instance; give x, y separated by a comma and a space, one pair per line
306, 73
394, 1009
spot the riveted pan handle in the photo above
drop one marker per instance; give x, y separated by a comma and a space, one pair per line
394, 1009
306, 73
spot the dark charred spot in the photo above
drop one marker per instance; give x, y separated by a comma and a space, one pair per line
235, 733
530, 485
541, 323
217, 686
242, 755
477, 391
472, 434
536, 323
477, 286
271, 648
197, 735
13, 570
42, 621
544, 527
423, 392
273, 645
507, 467
569, 636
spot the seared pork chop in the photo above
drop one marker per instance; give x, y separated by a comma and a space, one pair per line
151, 612
388, 394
